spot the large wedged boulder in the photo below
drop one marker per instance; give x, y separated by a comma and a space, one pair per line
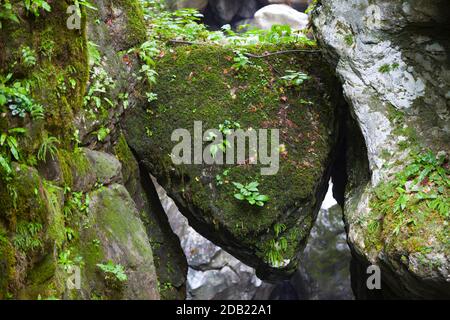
198, 83
392, 59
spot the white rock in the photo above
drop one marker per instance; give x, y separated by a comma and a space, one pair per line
281, 14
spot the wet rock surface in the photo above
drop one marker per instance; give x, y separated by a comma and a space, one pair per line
307, 131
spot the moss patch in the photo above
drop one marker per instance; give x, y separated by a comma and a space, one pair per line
410, 213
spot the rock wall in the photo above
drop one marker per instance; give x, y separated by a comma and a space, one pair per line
73, 197
392, 59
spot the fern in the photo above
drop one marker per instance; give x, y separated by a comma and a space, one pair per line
48, 146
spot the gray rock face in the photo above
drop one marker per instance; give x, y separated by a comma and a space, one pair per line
225, 10
213, 273
107, 168
248, 9
324, 271
392, 59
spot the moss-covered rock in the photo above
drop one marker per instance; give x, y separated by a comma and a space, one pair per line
45, 198
116, 234
199, 83
170, 262
106, 167
59, 76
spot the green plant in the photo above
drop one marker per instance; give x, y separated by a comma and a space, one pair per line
241, 61
147, 52
164, 286
112, 271
70, 233
185, 25
94, 54
178, 24
6, 13
280, 34
124, 98
294, 78
416, 200
28, 57
277, 247
9, 141
220, 178
102, 133
75, 201
9, 148
96, 100
312, 6
279, 228
96, 243
48, 145
151, 96
47, 48
16, 98
226, 128
250, 193
65, 260
349, 40
27, 236
34, 6
385, 68
83, 3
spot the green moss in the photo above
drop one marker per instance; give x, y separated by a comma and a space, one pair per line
126, 157
41, 280
349, 40
64, 163
198, 83
15, 199
7, 264
74, 165
68, 62
55, 217
136, 30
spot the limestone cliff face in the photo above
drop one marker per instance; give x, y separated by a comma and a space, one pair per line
392, 59
71, 193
